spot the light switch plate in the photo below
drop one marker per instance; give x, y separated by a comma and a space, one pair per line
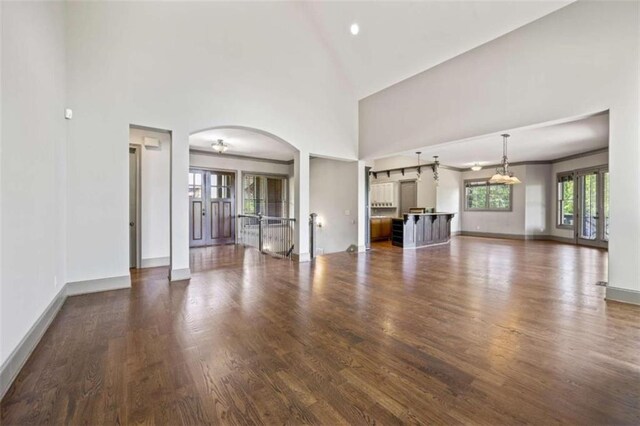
68, 113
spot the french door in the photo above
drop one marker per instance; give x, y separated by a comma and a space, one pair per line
211, 208
592, 213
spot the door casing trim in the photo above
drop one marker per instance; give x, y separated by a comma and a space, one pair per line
138, 155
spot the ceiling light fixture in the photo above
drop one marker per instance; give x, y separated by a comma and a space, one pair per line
503, 174
219, 146
355, 28
476, 167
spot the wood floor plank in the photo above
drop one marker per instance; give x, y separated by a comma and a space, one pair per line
479, 331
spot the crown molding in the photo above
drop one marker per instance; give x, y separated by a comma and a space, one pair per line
239, 157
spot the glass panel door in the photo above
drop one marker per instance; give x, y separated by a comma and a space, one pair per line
592, 213
588, 223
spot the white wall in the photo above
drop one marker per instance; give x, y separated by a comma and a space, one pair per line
538, 191
155, 190
595, 160
125, 67
33, 146
507, 222
448, 198
581, 59
334, 197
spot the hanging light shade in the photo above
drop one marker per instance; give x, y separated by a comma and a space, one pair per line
219, 146
435, 167
503, 174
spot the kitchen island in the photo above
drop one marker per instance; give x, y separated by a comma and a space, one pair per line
415, 230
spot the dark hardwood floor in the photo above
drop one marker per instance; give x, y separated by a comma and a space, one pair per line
480, 331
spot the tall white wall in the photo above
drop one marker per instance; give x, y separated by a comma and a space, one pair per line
32, 170
581, 59
154, 198
186, 66
334, 197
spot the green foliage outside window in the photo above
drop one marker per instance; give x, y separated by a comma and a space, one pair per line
481, 195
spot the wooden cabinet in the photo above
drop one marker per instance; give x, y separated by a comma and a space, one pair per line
383, 194
380, 228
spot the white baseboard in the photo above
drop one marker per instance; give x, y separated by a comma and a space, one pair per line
179, 274
101, 284
19, 356
362, 249
301, 257
153, 262
623, 295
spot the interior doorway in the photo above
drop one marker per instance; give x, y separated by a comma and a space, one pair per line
408, 195
134, 207
211, 207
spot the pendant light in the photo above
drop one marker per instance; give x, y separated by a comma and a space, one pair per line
219, 146
435, 167
419, 171
503, 174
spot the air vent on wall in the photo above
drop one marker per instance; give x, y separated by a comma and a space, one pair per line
151, 142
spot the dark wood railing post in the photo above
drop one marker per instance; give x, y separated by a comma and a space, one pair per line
260, 232
312, 235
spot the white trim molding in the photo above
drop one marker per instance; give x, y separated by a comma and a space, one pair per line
16, 360
101, 284
301, 257
154, 262
179, 274
623, 295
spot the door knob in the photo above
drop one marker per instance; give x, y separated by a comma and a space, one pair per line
131, 223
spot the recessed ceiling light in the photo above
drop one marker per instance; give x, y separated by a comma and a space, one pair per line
355, 29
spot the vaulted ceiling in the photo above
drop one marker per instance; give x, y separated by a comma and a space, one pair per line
400, 39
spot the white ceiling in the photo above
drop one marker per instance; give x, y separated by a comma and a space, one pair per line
400, 39
533, 144
243, 142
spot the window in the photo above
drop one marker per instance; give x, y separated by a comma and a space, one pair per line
195, 185
484, 196
266, 195
565, 193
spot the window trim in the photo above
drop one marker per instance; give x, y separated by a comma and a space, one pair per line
285, 178
487, 209
559, 175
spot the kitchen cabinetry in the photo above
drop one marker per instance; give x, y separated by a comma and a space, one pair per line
380, 228
383, 195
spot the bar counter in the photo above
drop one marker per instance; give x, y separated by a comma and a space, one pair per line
415, 230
